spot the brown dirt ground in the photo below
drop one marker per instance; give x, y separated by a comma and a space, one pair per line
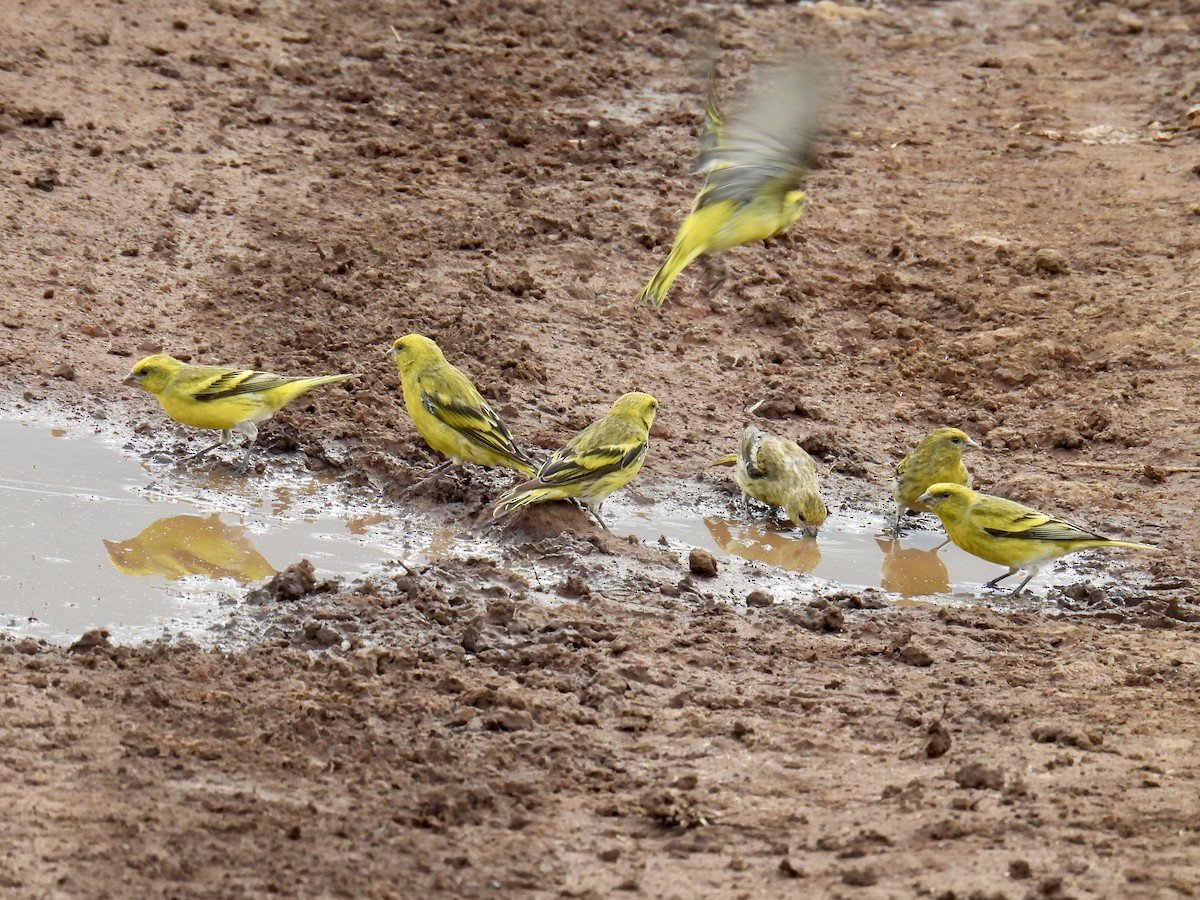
289, 185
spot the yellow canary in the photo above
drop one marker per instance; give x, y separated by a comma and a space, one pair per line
449, 412
1008, 533
936, 459
754, 164
215, 397
778, 472
594, 463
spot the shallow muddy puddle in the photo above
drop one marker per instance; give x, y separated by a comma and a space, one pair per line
850, 551
96, 537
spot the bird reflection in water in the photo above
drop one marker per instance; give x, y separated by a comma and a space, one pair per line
911, 571
763, 542
190, 545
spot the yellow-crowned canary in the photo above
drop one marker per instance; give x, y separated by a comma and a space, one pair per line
780, 473
216, 397
937, 458
594, 463
450, 413
1008, 533
754, 163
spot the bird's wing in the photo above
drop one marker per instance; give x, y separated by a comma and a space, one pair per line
767, 147
752, 452
468, 414
748, 180
231, 382
1031, 525
712, 131
570, 465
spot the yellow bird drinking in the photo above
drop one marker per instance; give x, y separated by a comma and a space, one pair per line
780, 473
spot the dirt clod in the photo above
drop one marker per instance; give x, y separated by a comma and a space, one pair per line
939, 741
979, 776
95, 639
1051, 262
789, 869
913, 655
702, 563
759, 600
293, 583
1067, 736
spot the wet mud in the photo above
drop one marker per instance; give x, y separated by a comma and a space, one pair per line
1002, 236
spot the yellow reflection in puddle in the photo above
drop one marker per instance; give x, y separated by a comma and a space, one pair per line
363, 524
762, 542
176, 546
911, 571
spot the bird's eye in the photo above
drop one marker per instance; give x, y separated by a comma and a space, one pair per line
956, 440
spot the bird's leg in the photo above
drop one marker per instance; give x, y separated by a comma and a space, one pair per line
241, 469
226, 434
595, 514
715, 273
250, 430
1033, 570
995, 582
941, 545
437, 473
900, 508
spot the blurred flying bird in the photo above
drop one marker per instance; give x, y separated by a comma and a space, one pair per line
754, 162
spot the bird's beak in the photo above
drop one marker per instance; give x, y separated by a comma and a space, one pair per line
974, 444
925, 498
129, 379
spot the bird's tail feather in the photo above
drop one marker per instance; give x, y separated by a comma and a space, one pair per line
1135, 544
512, 500
528, 469
304, 385
656, 288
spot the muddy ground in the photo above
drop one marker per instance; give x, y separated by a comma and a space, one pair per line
1004, 235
